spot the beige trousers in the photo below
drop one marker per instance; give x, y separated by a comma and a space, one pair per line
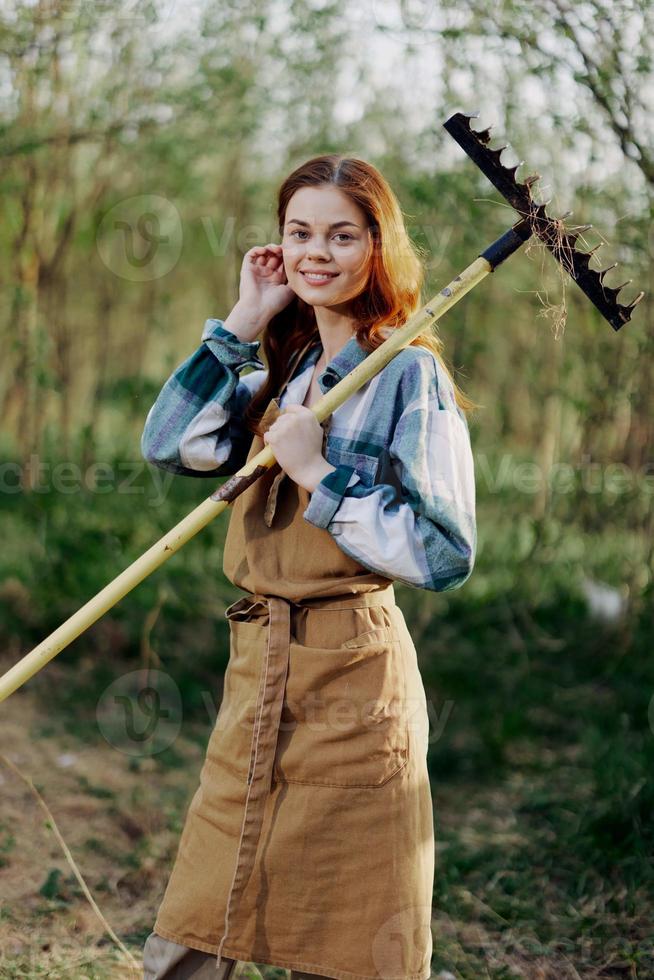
166, 960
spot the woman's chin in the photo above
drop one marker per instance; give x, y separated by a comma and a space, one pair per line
322, 295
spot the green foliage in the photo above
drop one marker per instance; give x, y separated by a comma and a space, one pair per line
51, 886
541, 754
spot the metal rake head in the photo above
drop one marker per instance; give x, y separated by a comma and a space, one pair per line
550, 230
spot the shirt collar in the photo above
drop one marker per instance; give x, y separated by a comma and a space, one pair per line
347, 358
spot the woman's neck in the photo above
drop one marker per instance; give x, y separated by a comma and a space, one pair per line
335, 329
329, 350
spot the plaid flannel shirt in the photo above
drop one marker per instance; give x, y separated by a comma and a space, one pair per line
401, 500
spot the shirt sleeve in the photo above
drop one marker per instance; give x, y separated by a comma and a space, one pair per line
195, 427
426, 536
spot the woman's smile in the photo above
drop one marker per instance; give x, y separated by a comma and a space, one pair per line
318, 278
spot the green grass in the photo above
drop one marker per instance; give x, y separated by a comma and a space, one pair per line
542, 766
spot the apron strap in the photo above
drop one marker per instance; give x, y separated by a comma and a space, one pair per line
272, 412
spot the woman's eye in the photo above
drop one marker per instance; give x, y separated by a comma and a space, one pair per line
340, 234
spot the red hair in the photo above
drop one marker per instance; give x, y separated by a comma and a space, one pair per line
393, 290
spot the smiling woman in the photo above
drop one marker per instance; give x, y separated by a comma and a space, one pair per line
318, 274
309, 842
319, 255
338, 215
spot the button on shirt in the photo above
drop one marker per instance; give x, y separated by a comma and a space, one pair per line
401, 499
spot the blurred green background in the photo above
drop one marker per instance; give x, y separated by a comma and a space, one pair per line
142, 144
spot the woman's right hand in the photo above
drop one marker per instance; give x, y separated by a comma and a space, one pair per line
263, 291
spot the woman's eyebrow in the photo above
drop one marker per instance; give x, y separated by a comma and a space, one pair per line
336, 224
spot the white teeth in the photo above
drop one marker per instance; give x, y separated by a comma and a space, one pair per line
319, 278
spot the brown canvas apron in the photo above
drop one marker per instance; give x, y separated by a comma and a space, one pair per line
309, 842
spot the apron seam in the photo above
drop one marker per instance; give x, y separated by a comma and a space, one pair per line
277, 647
351, 786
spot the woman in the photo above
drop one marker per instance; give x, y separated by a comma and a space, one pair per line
309, 842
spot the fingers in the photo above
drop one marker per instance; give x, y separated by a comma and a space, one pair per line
266, 254
291, 410
279, 425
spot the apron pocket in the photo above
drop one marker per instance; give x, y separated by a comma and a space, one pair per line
231, 739
344, 720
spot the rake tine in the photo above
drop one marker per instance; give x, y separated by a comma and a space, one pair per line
583, 258
571, 239
497, 153
603, 272
636, 301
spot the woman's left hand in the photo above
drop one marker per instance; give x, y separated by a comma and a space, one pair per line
296, 439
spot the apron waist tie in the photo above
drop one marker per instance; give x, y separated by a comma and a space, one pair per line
270, 701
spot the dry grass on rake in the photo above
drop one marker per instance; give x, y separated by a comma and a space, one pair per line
555, 311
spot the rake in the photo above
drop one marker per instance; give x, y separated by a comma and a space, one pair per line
533, 220
550, 231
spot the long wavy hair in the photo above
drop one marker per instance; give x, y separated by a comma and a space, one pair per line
393, 290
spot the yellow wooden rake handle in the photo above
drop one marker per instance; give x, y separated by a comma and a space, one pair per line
205, 512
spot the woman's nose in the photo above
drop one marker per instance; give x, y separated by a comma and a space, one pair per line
318, 249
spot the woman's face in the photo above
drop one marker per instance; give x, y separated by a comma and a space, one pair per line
327, 233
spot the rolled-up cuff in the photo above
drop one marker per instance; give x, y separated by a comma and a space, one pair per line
327, 496
228, 348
